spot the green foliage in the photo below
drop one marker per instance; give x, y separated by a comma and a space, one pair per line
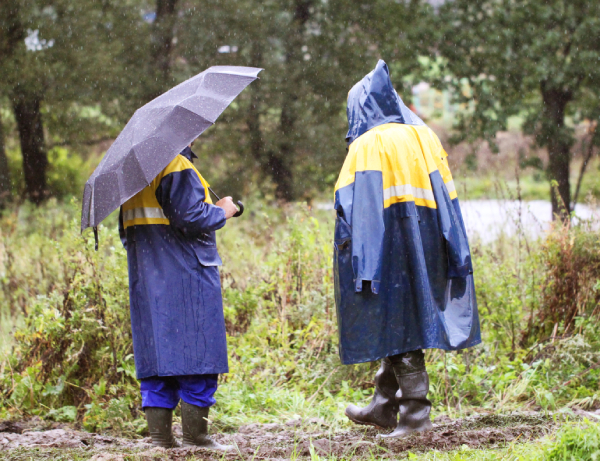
66, 175
576, 442
291, 124
74, 349
530, 59
504, 67
532, 183
81, 81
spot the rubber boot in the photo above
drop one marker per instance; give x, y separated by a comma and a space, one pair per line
160, 422
194, 421
413, 386
382, 412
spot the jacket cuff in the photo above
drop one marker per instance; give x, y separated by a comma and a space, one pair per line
223, 220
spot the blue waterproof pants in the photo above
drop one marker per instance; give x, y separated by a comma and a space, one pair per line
165, 391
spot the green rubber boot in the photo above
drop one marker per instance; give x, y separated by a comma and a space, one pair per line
194, 421
160, 422
413, 386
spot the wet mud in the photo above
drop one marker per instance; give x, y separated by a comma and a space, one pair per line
293, 439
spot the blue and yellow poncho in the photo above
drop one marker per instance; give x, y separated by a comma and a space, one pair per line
177, 319
402, 264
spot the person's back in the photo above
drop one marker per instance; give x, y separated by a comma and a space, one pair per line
403, 273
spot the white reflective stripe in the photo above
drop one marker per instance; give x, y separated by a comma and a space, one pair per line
450, 186
407, 189
147, 212
394, 191
425, 194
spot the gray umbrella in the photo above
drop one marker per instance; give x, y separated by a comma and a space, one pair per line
156, 133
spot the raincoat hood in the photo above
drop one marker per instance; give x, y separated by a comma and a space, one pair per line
373, 101
189, 154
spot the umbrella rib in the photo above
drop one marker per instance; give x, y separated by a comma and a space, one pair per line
195, 113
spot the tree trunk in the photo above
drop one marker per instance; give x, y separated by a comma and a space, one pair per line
4, 173
257, 145
161, 47
281, 162
559, 148
26, 108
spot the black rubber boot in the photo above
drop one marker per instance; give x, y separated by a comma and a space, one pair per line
160, 422
382, 412
194, 421
413, 386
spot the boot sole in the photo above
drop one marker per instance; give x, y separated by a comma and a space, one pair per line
364, 423
406, 434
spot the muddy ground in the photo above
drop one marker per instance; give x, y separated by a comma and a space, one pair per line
34, 439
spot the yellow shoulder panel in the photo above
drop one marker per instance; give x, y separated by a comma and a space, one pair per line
440, 157
143, 208
181, 163
406, 155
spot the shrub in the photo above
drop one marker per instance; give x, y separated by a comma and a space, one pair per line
74, 354
576, 442
572, 263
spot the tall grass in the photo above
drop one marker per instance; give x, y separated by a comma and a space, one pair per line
72, 357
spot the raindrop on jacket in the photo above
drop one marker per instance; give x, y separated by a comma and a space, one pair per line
168, 229
402, 264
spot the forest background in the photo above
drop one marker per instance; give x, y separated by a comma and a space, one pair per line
512, 89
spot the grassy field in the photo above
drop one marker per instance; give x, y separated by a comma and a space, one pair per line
71, 361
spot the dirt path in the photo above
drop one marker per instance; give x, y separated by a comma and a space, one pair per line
276, 441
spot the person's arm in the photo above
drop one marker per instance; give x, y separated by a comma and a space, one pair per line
368, 229
453, 230
181, 196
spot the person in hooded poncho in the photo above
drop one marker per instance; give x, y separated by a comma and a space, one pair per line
179, 342
402, 265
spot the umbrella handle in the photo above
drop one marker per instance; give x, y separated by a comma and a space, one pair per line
240, 211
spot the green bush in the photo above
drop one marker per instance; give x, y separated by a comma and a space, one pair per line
66, 175
576, 442
73, 353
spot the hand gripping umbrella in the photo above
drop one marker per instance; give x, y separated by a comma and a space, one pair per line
239, 213
156, 134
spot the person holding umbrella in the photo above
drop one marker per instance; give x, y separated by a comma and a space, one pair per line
402, 265
180, 348
167, 223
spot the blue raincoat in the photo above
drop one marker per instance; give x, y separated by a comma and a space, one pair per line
177, 319
402, 264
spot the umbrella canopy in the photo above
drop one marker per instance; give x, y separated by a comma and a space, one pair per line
156, 133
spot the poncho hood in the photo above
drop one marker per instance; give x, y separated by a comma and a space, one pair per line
373, 101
